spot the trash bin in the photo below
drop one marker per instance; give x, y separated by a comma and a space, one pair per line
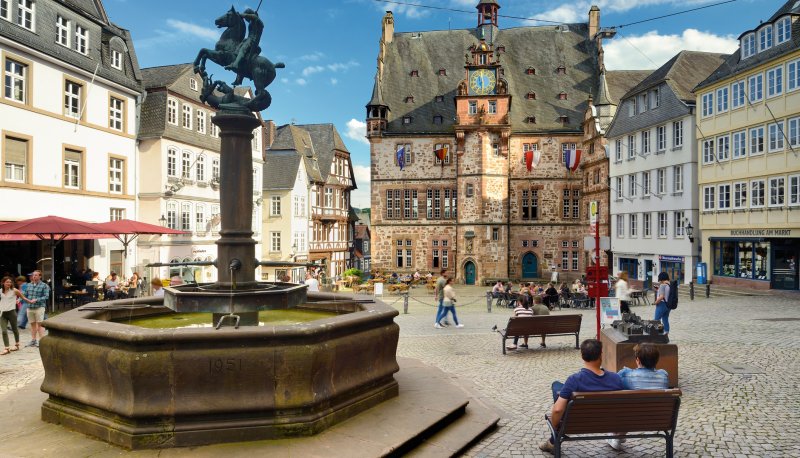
702, 273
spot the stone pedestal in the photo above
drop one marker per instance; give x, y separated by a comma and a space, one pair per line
236, 199
618, 353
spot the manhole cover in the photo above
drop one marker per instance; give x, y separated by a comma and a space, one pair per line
739, 368
777, 319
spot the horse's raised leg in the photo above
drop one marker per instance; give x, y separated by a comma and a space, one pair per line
200, 60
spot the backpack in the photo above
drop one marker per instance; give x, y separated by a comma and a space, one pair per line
672, 300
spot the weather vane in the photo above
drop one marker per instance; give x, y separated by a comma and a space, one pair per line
241, 54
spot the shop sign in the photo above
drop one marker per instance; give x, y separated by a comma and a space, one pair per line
761, 232
671, 258
196, 250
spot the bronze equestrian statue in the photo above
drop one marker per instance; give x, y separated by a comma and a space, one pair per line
235, 52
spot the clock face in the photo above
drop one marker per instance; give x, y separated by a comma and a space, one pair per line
482, 81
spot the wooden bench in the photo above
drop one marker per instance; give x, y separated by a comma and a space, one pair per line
547, 325
604, 414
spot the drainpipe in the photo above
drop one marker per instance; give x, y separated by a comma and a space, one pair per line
508, 210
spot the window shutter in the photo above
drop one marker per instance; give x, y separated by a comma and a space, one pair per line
16, 151
72, 155
412, 153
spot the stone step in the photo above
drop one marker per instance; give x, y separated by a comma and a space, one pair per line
456, 438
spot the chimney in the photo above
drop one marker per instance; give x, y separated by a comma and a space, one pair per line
387, 34
269, 133
594, 21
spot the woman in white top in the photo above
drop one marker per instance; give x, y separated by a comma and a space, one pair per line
313, 283
8, 307
449, 303
623, 292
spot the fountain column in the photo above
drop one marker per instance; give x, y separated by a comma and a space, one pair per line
236, 199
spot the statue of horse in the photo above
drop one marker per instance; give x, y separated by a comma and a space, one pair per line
260, 70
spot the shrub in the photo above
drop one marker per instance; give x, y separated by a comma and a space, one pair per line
353, 272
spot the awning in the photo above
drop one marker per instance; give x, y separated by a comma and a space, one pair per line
737, 239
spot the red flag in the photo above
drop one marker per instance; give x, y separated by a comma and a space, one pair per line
529, 160
441, 153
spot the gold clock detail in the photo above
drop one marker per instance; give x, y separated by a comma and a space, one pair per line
482, 81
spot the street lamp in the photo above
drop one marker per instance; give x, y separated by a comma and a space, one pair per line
162, 221
690, 232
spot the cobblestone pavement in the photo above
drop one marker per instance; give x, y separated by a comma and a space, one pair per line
722, 414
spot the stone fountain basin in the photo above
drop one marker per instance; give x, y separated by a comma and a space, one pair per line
154, 388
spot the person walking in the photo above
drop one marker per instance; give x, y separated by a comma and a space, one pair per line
438, 290
662, 311
449, 302
8, 308
38, 292
622, 292
22, 306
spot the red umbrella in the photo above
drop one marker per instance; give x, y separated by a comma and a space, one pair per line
126, 230
53, 229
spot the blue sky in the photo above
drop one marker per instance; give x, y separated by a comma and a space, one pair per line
330, 46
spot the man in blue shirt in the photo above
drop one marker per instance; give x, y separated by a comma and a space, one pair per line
645, 376
38, 293
591, 377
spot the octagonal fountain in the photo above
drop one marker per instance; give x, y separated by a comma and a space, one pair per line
234, 379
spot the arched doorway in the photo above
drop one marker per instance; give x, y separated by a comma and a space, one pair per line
530, 266
469, 273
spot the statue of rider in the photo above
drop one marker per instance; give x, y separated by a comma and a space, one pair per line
248, 48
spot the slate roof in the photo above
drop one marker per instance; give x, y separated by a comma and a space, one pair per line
543, 48
681, 73
164, 75
314, 144
91, 15
734, 65
619, 82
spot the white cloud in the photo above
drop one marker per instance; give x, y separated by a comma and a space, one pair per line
628, 53
360, 197
342, 67
313, 57
357, 130
301, 82
334, 81
193, 29
284, 80
313, 69
564, 13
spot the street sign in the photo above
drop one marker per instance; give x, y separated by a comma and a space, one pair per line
588, 243
594, 208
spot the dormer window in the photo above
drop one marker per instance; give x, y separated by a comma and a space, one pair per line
748, 45
410, 99
530, 71
530, 120
407, 119
783, 30
501, 48
193, 84
564, 119
530, 95
438, 119
414, 73
765, 38
561, 70
442, 72
116, 59
439, 98
562, 96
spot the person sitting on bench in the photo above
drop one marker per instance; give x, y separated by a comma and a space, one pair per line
524, 310
591, 377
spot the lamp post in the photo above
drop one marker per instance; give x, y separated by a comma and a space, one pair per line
162, 221
690, 232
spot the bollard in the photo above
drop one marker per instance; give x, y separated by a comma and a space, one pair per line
708, 290
691, 290
489, 301
405, 303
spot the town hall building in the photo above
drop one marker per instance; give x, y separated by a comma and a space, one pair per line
478, 137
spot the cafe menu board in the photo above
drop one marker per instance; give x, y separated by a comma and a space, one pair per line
609, 310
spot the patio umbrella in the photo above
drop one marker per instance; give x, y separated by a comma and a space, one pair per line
52, 229
126, 231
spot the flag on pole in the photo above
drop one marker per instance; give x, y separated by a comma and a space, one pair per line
401, 156
572, 159
441, 154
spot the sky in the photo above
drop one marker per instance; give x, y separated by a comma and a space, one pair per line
330, 47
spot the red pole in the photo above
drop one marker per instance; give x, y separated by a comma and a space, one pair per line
597, 273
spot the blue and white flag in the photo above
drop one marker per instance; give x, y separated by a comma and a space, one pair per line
401, 156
